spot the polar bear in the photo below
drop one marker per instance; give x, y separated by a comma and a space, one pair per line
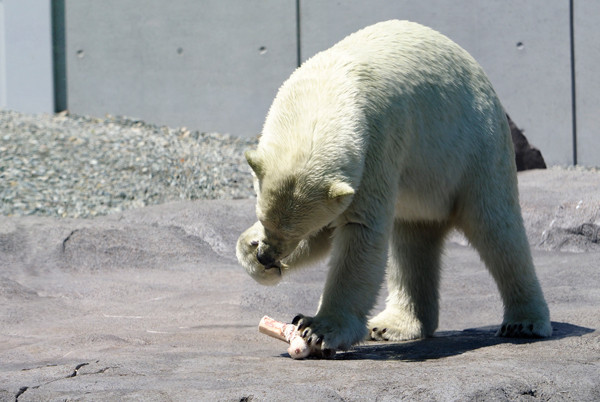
371, 152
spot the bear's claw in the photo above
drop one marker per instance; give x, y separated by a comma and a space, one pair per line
378, 334
297, 319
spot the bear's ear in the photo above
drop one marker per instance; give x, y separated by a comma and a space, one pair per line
255, 162
340, 190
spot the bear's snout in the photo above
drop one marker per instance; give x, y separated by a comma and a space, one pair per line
265, 259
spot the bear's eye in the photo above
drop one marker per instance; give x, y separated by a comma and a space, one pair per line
273, 230
268, 225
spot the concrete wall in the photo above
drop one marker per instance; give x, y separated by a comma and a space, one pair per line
26, 82
208, 65
523, 45
2, 58
587, 62
215, 65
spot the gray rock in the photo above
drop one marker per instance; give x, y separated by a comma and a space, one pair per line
150, 304
561, 208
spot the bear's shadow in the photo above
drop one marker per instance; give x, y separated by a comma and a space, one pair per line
449, 343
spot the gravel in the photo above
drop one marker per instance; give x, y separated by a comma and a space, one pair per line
77, 166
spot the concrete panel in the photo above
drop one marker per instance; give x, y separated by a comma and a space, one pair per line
27, 56
587, 70
2, 58
522, 44
209, 65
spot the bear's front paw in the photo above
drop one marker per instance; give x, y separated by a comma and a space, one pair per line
525, 329
325, 334
246, 249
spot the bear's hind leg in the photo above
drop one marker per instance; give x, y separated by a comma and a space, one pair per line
495, 228
413, 275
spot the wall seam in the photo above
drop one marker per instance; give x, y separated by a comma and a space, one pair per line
573, 79
298, 36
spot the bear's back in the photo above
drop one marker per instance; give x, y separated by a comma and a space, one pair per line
397, 92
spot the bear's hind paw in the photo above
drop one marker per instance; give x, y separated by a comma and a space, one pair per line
393, 334
395, 325
525, 329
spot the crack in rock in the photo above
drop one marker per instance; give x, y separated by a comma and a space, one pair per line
75, 373
21, 392
529, 392
39, 367
64, 243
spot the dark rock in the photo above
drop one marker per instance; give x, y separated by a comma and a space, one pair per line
526, 156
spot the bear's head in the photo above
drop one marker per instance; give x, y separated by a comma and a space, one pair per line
291, 206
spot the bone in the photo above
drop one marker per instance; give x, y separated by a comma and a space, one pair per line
298, 348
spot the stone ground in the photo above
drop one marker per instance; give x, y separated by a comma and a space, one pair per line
150, 304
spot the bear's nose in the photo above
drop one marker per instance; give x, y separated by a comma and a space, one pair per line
265, 259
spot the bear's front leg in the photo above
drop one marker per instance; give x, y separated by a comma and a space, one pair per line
356, 271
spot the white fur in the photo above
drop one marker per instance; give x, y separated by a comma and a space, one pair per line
374, 149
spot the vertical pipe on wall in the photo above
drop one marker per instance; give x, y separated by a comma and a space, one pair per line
573, 75
298, 49
59, 61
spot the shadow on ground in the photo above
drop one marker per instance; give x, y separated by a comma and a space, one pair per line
450, 343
